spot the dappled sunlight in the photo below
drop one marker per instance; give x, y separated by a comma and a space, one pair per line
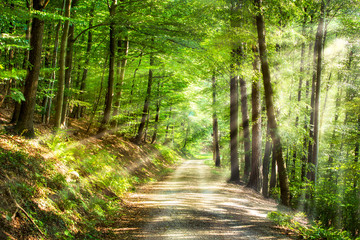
196, 203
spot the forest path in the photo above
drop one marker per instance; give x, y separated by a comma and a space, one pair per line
195, 202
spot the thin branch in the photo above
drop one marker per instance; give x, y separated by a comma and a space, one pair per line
46, 3
87, 29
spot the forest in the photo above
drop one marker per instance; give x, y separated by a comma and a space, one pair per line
269, 90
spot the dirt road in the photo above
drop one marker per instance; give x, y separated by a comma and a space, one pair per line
195, 202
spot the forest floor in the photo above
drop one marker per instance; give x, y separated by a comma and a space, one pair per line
193, 202
196, 202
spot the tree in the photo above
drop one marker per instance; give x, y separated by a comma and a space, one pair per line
315, 97
110, 87
216, 149
146, 102
25, 123
62, 58
254, 181
270, 110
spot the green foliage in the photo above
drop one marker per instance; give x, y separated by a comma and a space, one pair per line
314, 231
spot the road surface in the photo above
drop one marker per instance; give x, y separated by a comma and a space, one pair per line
195, 202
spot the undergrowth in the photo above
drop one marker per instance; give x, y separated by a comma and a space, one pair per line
71, 195
313, 231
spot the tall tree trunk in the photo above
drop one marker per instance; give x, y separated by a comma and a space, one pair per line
245, 128
110, 88
16, 112
158, 102
146, 125
68, 64
123, 49
146, 103
86, 64
266, 163
283, 177
216, 148
254, 181
314, 147
234, 109
61, 80
167, 139
301, 78
25, 123
273, 176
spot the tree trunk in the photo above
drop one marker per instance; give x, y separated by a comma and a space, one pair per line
301, 78
158, 102
315, 103
266, 163
16, 112
25, 123
216, 148
86, 64
110, 88
123, 49
61, 80
68, 64
283, 177
245, 128
167, 139
234, 158
254, 181
146, 103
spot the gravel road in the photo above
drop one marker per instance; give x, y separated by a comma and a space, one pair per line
195, 202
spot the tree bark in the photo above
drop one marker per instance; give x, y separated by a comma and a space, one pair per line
146, 103
86, 64
25, 123
61, 80
234, 157
245, 128
216, 148
283, 177
16, 112
301, 78
315, 98
266, 163
158, 103
68, 70
123, 49
254, 181
110, 88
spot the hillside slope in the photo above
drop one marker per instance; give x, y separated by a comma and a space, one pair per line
67, 186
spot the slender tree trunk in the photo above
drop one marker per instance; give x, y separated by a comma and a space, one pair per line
266, 163
254, 181
86, 64
68, 70
158, 103
110, 88
123, 50
301, 78
16, 112
146, 103
273, 177
245, 128
167, 139
25, 123
314, 147
61, 80
216, 148
283, 177
234, 157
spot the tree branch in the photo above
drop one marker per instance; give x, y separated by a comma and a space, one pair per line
87, 29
